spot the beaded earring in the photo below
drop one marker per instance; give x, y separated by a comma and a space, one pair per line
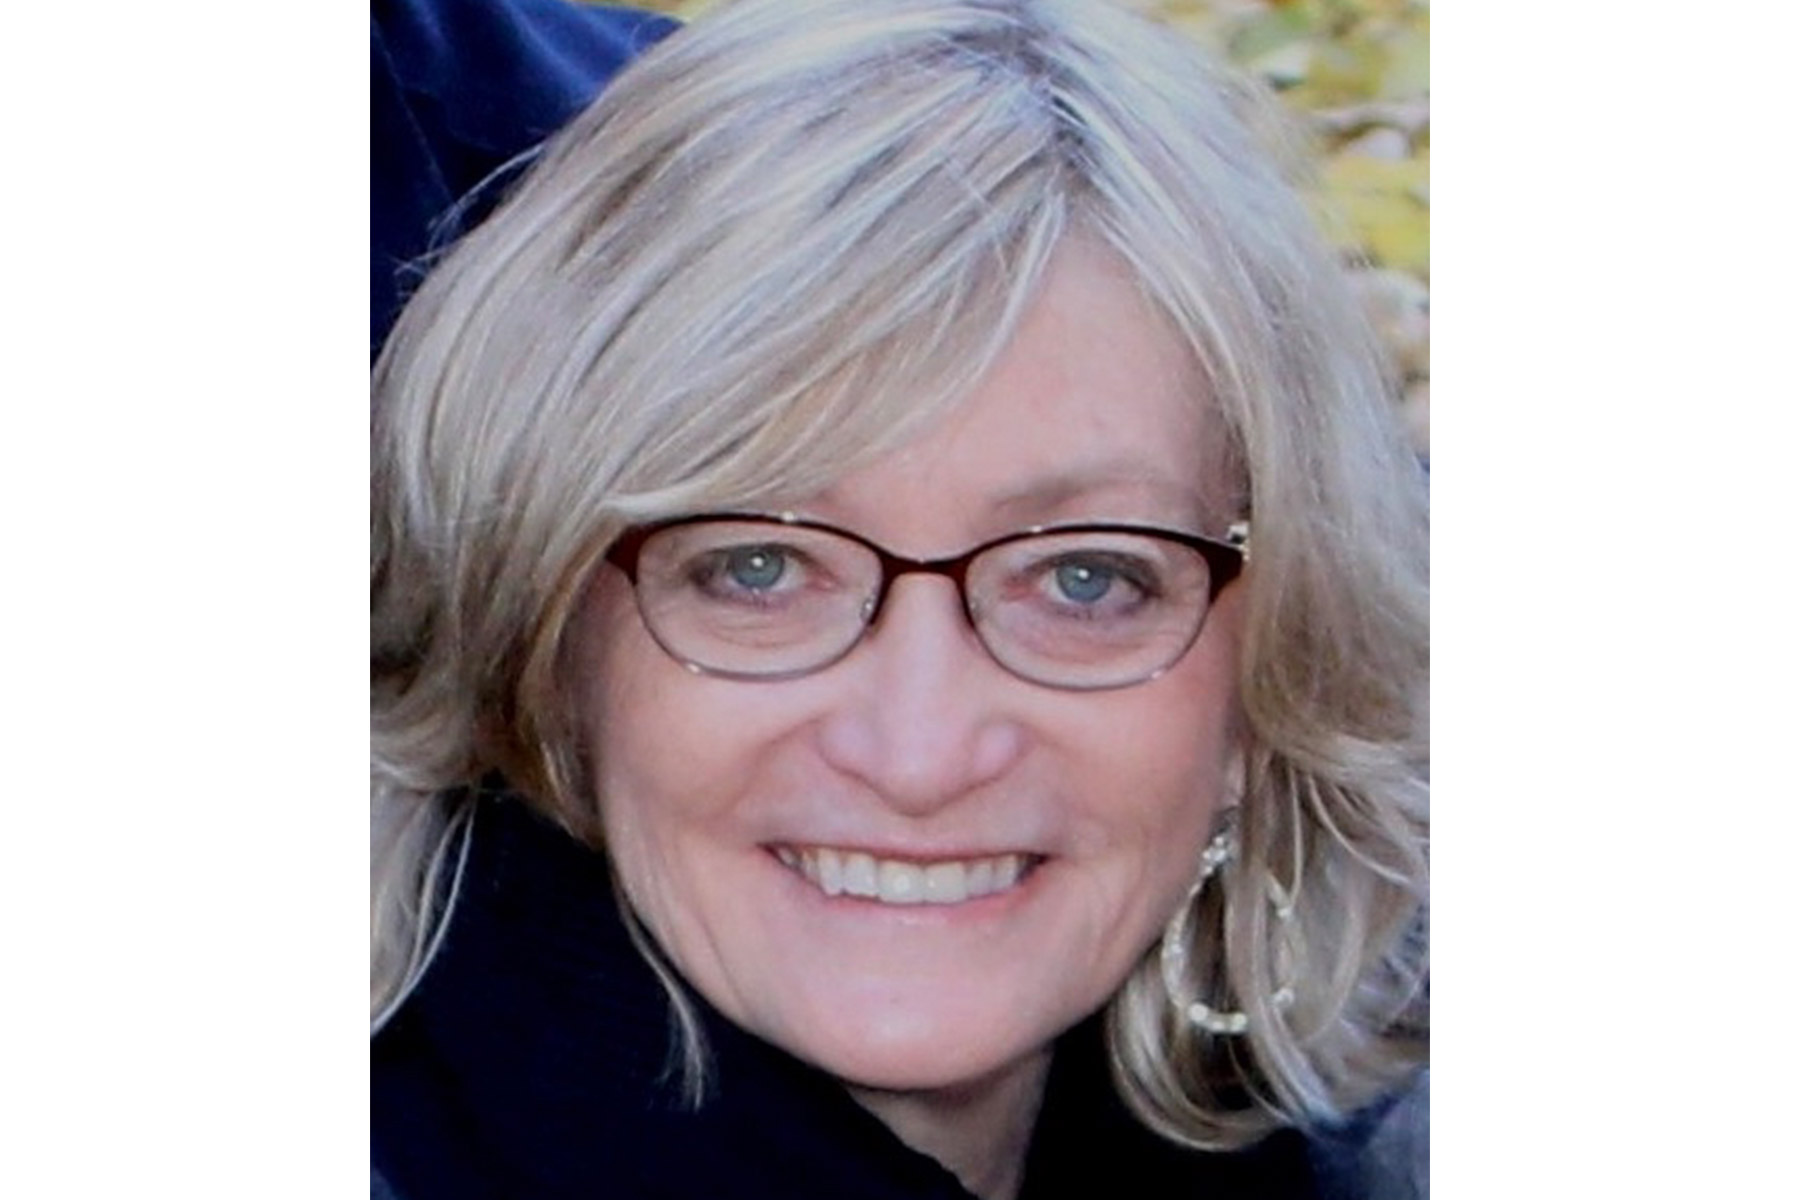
1176, 938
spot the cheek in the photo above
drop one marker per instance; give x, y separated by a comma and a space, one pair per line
1173, 748
1174, 787
669, 756
643, 765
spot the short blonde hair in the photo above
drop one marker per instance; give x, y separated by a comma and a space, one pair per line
783, 242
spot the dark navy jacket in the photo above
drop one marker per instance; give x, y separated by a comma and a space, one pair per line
457, 90
531, 1063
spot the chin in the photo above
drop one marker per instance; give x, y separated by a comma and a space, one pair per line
919, 1048
921, 1072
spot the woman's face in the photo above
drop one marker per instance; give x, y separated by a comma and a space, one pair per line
918, 750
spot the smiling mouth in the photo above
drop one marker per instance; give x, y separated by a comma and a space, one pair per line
897, 881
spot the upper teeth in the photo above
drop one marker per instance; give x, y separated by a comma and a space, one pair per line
893, 881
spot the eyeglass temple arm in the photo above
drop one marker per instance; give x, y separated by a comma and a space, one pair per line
1239, 535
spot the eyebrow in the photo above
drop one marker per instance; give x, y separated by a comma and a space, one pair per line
1046, 494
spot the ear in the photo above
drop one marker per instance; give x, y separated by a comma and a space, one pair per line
1235, 776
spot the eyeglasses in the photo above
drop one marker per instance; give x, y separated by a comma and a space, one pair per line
1083, 607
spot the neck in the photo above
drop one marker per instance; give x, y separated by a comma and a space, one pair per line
980, 1131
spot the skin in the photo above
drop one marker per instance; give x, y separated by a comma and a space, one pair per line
918, 746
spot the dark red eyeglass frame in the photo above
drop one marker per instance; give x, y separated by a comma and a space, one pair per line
1224, 559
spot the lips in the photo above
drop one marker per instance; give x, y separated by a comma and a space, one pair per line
900, 881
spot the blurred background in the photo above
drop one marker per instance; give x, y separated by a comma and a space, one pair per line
1357, 75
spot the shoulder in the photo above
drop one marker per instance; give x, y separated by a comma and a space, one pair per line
505, 67
379, 1188
459, 89
1380, 1153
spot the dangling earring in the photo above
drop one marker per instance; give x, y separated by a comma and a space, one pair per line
1219, 1022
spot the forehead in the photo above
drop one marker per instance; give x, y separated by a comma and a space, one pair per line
1095, 410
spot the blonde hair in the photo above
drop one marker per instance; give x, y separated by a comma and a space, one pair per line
779, 245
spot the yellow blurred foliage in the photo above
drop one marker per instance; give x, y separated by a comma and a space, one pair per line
1385, 205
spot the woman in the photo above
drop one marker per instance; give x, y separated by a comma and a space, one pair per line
899, 639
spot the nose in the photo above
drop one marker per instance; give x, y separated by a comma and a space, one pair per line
925, 720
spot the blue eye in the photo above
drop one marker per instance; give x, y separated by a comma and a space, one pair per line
1084, 582
755, 568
